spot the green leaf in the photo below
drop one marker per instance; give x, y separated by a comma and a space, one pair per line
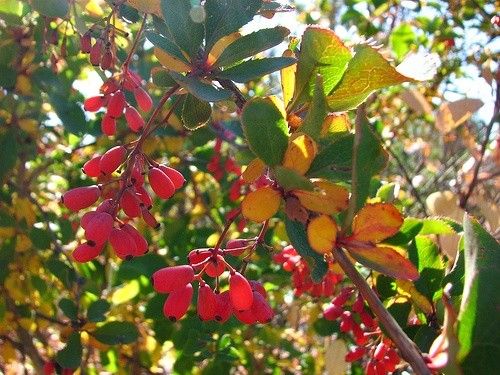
227, 16
298, 238
8, 152
128, 13
6, 219
71, 355
115, 332
410, 228
313, 122
62, 271
144, 265
40, 238
186, 33
70, 113
166, 45
69, 308
11, 7
97, 310
251, 44
7, 251
291, 180
202, 90
367, 71
321, 52
195, 112
253, 69
8, 77
334, 160
401, 39
478, 320
265, 129
324, 327
439, 225
51, 8
161, 78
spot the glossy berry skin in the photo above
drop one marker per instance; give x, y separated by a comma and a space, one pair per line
240, 292
86, 42
169, 279
215, 266
116, 104
99, 228
207, 303
178, 302
112, 159
134, 119
108, 125
197, 257
143, 99
85, 253
260, 308
160, 183
175, 176
81, 197
122, 243
148, 217
332, 312
91, 168
224, 307
130, 204
140, 242
94, 103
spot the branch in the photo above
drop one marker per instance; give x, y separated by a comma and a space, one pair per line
239, 98
409, 351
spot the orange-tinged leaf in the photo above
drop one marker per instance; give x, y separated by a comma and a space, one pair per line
147, 6
288, 78
322, 234
253, 171
170, 62
261, 204
328, 198
300, 153
335, 123
385, 260
376, 222
418, 299
220, 46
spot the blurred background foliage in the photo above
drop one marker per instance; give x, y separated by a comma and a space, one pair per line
441, 136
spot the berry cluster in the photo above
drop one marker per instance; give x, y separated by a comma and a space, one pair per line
301, 274
246, 299
114, 100
126, 192
102, 51
381, 357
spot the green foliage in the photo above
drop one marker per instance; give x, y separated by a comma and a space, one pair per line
115, 332
71, 355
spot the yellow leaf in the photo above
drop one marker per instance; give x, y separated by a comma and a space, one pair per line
253, 171
300, 153
328, 198
23, 84
30, 126
23, 209
146, 6
408, 288
23, 243
7, 232
125, 293
261, 204
220, 46
335, 123
170, 62
94, 8
288, 78
173, 145
376, 222
322, 234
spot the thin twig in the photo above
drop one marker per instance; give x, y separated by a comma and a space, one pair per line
240, 100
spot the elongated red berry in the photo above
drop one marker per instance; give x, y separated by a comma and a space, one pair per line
169, 279
143, 196
143, 99
224, 307
207, 303
108, 125
160, 183
342, 297
81, 197
116, 104
134, 119
107, 60
91, 168
137, 177
130, 204
123, 243
106, 206
197, 257
85, 253
261, 310
99, 227
258, 287
109, 87
140, 242
96, 52
112, 159
240, 292
216, 266
332, 312
87, 218
175, 176
94, 103
148, 217
346, 321
354, 354
86, 42
178, 302
245, 316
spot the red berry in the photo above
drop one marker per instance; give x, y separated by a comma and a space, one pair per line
257, 287
91, 167
169, 279
106, 206
148, 217
116, 104
108, 125
87, 218
140, 242
96, 52
112, 159
380, 351
99, 227
123, 243
342, 297
130, 204
367, 320
94, 103
354, 354
85, 253
346, 321
332, 312
144, 196
198, 257
359, 304
137, 178
260, 309
245, 316
81, 197
160, 183
86, 42
240, 292
143, 99
134, 119
175, 176
109, 86
370, 368
178, 302
207, 303
224, 307
107, 60
216, 266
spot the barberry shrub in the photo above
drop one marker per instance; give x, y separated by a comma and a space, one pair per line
220, 195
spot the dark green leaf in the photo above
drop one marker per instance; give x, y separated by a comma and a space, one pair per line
265, 129
313, 122
251, 44
128, 13
8, 77
62, 271
8, 152
334, 159
97, 310
161, 78
7, 251
40, 238
324, 327
298, 238
253, 69
69, 308
186, 33
291, 180
115, 332
202, 90
166, 45
195, 112
70, 113
71, 355
145, 265
51, 8
227, 16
